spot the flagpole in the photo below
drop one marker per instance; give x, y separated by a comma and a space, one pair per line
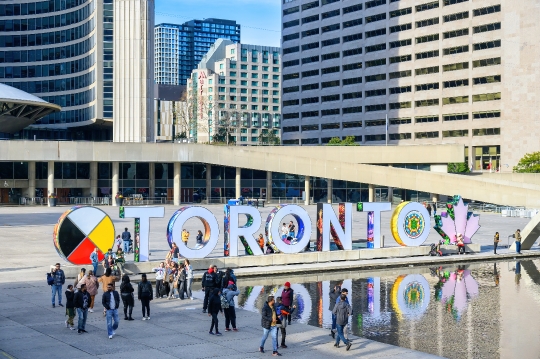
386, 129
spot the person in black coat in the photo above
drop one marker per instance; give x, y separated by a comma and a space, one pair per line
111, 302
70, 307
81, 302
126, 292
208, 284
145, 296
214, 307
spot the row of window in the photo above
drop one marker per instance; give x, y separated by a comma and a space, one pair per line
74, 99
68, 84
234, 106
35, 71
399, 136
69, 116
50, 54
40, 7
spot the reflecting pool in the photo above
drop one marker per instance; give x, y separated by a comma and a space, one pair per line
479, 310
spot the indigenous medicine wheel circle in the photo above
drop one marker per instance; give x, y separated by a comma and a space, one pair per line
413, 224
81, 229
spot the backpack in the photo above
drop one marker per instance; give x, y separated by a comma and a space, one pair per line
224, 301
50, 279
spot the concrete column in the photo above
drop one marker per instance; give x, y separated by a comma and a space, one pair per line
329, 189
371, 193
31, 179
50, 178
152, 180
307, 190
268, 187
238, 191
177, 189
115, 180
94, 179
208, 182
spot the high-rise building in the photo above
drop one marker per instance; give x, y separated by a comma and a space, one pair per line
443, 71
235, 93
179, 48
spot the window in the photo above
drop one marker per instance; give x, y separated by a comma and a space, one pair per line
456, 117
402, 58
291, 89
352, 38
399, 136
374, 33
427, 22
425, 119
455, 133
291, 10
291, 37
352, 81
374, 18
427, 87
353, 8
486, 80
310, 5
400, 105
487, 97
308, 60
400, 43
355, 66
254, 83
330, 112
355, 109
455, 100
378, 47
456, 50
352, 124
291, 128
310, 73
291, 103
456, 66
243, 67
351, 23
400, 12
373, 138
327, 84
453, 2
373, 108
486, 131
373, 3
373, 93
243, 83
310, 141
310, 128
487, 10
399, 28
308, 87
352, 95
330, 42
291, 23
486, 28
427, 54
398, 90
290, 50
308, 19
330, 56
290, 116
330, 70
487, 45
457, 16
329, 14
373, 78
291, 142
352, 52
254, 76
455, 83
427, 38
426, 103
374, 63
422, 135
456, 33
310, 32
310, 114
399, 121
427, 6
375, 123
329, 28
330, 126
486, 114
487, 62
399, 74
312, 45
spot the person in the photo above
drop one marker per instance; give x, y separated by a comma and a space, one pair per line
185, 236
91, 284
517, 236
118, 242
189, 278
260, 241
81, 302
120, 260
434, 209
172, 274
59, 279
160, 274
269, 249
94, 259
70, 307
126, 239
107, 279
219, 277
284, 231
287, 297
181, 279
230, 313
199, 237
144, 294
342, 311
495, 242
208, 284
428, 208
269, 324
460, 244
334, 295
214, 307
518, 272
292, 229
109, 258
126, 292
111, 302
229, 278
80, 276
282, 313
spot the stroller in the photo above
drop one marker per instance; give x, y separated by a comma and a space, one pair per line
435, 249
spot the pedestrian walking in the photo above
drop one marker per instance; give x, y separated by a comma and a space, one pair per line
208, 284
80, 276
106, 279
269, 323
126, 240
283, 313
59, 279
189, 278
91, 283
70, 307
126, 292
334, 295
94, 259
434, 209
342, 311
517, 236
287, 297
144, 294
214, 307
81, 302
111, 301
495, 242
160, 275
230, 313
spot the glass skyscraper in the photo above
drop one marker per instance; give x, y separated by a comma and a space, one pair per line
179, 48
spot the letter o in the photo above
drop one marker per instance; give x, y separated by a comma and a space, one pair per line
211, 231
410, 224
410, 296
304, 228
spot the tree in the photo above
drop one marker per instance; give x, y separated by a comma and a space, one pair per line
530, 163
269, 138
348, 141
228, 123
458, 167
185, 116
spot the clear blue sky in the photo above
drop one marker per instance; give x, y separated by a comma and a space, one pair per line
253, 16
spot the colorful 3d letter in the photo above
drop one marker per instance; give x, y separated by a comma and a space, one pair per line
457, 220
273, 223
410, 296
144, 214
376, 208
328, 224
410, 224
211, 231
245, 232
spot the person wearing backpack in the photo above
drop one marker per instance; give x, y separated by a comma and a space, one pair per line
342, 311
57, 282
227, 303
208, 284
145, 296
214, 307
287, 297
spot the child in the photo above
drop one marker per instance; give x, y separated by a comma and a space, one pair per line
70, 307
282, 312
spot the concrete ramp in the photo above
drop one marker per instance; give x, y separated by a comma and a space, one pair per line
529, 234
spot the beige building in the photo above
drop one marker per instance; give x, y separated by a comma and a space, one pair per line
443, 71
236, 88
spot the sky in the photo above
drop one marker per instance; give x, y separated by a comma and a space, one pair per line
260, 20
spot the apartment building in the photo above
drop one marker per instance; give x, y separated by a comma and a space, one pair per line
444, 71
236, 89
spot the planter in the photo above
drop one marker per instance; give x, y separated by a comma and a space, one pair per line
119, 202
52, 202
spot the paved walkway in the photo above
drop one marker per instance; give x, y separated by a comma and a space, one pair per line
30, 328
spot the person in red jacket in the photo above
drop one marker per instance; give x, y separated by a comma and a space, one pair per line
287, 297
